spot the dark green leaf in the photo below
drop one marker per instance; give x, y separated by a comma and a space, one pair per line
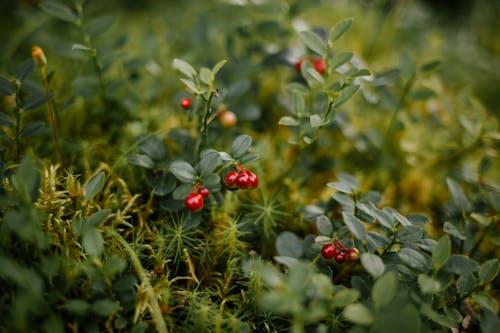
397, 215
385, 218
426, 310
105, 307
414, 259
77, 306
373, 264
486, 301
164, 184
356, 227
324, 225
59, 11
288, 244
182, 191
5, 120
422, 94
410, 234
441, 252
314, 42
211, 181
24, 69
32, 128
429, 66
183, 171
153, 147
452, 230
27, 178
461, 264
93, 242
97, 218
341, 59
339, 29
384, 290
488, 270
209, 162
457, 194
417, 219
6, 88
241, 145
99, 25
94, 185
141, 160
37, 100
466, 283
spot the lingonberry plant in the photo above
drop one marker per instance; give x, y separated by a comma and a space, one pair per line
295, 186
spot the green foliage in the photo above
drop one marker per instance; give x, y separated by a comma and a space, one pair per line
356, 136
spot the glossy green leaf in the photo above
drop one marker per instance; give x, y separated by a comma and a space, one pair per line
241, 145
489, 270
384, 290
164, 184
414, 259
182, 191
314, 42
373, 264
191, 86
6, 88
94, 185
339, 29
26, 179
453, 230
461, 264
184, 67
154, 147
340, 186
183, 171
209, 162
324, 225
356, 227
105, 307
206, 76
441, 252
5, 120
466, 283
141, 160
410, 234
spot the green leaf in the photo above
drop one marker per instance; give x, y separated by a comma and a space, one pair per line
441, 252
191, 86
313, 41
241, 145
93, 242
59, 11
486, 301
317, 121
211, 181
288, 244
94, 185
184, 67
153, 147
99, 25
452, 230
340, 186
209, 162
358, 314
77, 306
32, 128
84, 48
287, 261
164, 184
373, 264
97, 218
183, 171
341, 59
384, 290
430, 66
410, 234
312, 76
413, 259
36, 100
248, 157
466, 283
299, 105
461, 264
458, 195
346, 94
417, 219
345, 297
426, 310
339, 29
385, 218
218, 66
345, 200
182, 191
105, 307
141, 160
324, 225
488, 270
24, 69
355, 225
26, 180
206, 76
288, 121
422, 94
349, 180
6, 88
5, 120
428, 285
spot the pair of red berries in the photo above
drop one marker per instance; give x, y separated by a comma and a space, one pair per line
194, 201
242, 179
341, 254
185, 103
318, 64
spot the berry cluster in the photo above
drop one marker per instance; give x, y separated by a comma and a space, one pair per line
318, 64
194, 201
242, 179
338, 251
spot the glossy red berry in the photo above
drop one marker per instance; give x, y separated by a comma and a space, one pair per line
242, 181
194, 202
185, 103
204, 192
319, 65
253, 180
329, 251
352, 254
230, 179
339, 257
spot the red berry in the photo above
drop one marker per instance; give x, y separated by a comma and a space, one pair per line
329, 251
242, 181
253, 180
185, 103
319, 66
204, 192
339, 257
352, 254
298, 64
230, 179
194, 202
